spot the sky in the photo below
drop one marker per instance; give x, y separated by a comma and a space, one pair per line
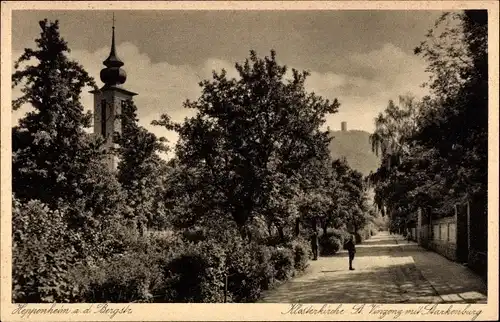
362, 58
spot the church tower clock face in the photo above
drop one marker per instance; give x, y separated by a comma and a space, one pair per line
109, 99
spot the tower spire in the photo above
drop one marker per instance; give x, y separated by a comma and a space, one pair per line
109, 100
113, 74
113, 60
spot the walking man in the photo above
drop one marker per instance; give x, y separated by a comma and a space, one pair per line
351, 248
315, 244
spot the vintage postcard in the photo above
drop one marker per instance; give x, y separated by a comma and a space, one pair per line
250, 161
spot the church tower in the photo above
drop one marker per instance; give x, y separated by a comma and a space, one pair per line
108, 100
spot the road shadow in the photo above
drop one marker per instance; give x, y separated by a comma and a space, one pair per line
393, 251
377, 242
389, 285
389, 272
395, 284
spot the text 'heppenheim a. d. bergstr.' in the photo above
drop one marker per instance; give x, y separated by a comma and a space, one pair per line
110, 310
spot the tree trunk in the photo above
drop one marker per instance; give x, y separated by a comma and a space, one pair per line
297, 227
281, 233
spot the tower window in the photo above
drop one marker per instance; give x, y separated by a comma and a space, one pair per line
103, 118
123, 107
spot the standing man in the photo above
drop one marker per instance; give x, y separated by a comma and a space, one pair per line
315, 243
351, 248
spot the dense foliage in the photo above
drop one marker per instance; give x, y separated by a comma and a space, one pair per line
434, 152
141, 171
245, 148
227, 218
54, 160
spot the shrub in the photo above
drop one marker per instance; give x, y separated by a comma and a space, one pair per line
276, 241
124, 237
41, 255
342, 235
156, 267
48, 253
253, 268
358, 237
195, 274
246, 273
329, 244
165, 246
134, 275
302, 252
130, 277
267, 270
162, 270
282, 259
362, 235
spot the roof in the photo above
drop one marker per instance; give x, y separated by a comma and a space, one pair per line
106, 88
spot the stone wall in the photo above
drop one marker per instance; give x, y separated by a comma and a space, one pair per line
461, 237
443, 237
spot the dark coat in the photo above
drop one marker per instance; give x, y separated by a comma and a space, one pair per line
350, 245
314, 240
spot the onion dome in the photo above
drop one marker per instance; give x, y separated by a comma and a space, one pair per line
113, 74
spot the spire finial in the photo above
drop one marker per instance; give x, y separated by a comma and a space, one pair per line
113, 50
113, 59
113, 74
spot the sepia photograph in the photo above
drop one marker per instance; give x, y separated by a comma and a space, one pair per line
249, 156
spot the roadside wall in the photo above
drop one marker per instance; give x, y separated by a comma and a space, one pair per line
444, 237
461, 237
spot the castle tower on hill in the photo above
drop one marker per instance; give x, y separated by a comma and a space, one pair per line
109, 99
343, 126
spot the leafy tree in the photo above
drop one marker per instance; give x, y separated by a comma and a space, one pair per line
47, 140
456, 120
353, 204
54, 160
393, 128
249, 132
437, 157
40, 254
456, 124
141, 171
